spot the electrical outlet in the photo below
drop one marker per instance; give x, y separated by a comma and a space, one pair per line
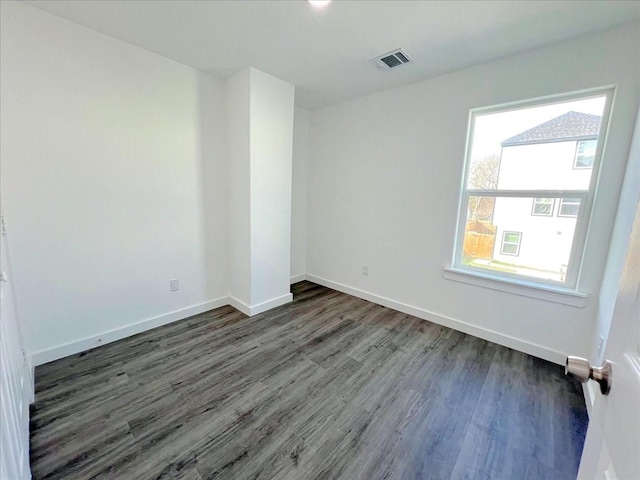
174, 285
365, 269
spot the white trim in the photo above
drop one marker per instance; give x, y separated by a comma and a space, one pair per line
516, 286
260, 307
297, 278
240, 306
32, 381
50, 354
273, 303
77, 346
486, 334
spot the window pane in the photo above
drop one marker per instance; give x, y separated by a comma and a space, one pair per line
543, 206
507, 238
508, 249
547, 147
512, 237
569, 207
585, 153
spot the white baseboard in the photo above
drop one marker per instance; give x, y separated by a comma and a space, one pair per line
486, 334
71, 348
87, 343
273, 303
260, 307
297, 278
77, 346
240, 305
32, 382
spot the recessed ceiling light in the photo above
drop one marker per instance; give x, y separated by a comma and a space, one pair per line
319, 3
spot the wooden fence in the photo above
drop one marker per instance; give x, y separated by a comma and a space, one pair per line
476, 244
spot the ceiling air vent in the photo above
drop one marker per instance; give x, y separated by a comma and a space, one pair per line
390, 60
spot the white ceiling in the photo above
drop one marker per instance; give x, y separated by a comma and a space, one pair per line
325, 52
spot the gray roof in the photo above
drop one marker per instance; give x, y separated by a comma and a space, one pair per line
570, 126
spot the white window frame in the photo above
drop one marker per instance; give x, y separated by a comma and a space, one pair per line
533, 207
517, 244
570, 285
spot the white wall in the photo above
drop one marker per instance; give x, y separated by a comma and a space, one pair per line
384, 179
271, 152
239, 148
113, 180
299, 193
260, 117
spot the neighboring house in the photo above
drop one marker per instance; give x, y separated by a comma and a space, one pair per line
555, 155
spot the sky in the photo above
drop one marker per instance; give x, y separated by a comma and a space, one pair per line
492, 128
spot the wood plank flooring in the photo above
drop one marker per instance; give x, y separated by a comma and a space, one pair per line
327, 387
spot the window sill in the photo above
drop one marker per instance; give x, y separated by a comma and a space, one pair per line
550, 293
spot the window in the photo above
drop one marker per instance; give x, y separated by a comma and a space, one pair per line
522, 161
585, 153
569, 207
543, 206
511, 243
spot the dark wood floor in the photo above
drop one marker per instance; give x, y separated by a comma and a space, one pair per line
329, 386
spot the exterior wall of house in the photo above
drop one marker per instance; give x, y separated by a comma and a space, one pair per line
545, 241
542, 166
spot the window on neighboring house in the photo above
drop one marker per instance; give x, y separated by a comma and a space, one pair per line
569, 207
522, 160
543, 206
511, 243
585, 153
